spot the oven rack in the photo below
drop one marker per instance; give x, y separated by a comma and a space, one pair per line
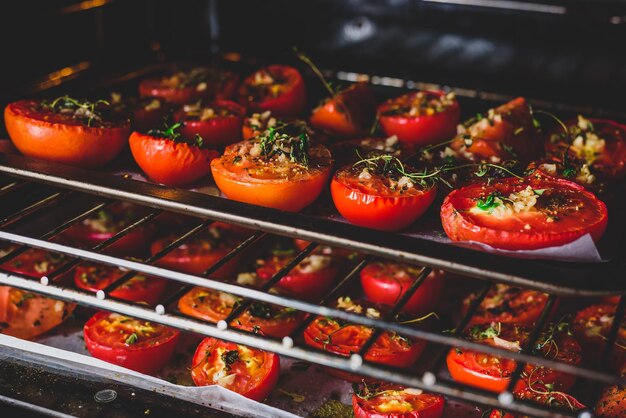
44, 198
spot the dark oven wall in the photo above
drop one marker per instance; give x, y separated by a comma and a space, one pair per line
570, 51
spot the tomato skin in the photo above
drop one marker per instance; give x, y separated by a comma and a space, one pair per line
358, 100
74, 144
209, 305
217, 131
291, 193
93, 277
426, 405
220, 89
423, 129
385, 213
289, 102
308, 285
141, 357
168, 162
256, 387
460, 225
385, 282
612, 403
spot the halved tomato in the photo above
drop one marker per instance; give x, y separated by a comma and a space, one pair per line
349, 113
250, 372
34, 262
395, 401
422, 117
218, 123
277, 88
523, 214
200, 252
493, 373
592, 325
139, 288
108, 222
508, 304
281, 169
187, 86
169, 158
312, 278
65, 130
385, 282
138, 345
381, 193
612, 402
213, 306
508, 132
344, 339
546, 395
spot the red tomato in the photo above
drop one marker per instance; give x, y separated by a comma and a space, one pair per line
108, 222
197, 254
140, 288
395, 401
34, 262
562, 212
372, 196
138, 345
250, 372
261, 172
213, 306
345, 339
507, 304
218, 123
598, 143
349, 113
612, 402
309, 280
67, 131
493, 373
507, 132
385, 282
277, 88
169, 159
592, 325
422, 118
188, 86
498, 413
544, 395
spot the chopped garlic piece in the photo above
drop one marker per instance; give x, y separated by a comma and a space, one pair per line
314, 263
507, 345
372, 313
365, 174
255, 151
413, 391
202, 86
348, 305
247, 278
405, 182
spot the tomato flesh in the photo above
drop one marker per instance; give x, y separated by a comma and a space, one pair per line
421, 118
135, 344
188, 86
592, 325
218, 123
250, 372
385, 282
563, 212
395, 401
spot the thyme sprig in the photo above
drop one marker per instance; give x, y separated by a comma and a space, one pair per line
171, 132
80, 108
277, 140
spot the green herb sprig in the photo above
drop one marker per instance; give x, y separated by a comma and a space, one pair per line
171, 132
277, 140
69, 103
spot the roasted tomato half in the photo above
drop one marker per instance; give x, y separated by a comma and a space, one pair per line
250, 372
138, 345
395, 401
277, 88
200, 252
169, 158
612, 402
422, 118
507, 132
344, 339
348, 113
523, 214
493, 373
281, 169
264, 318
385, 282
148, 112
600, 146
309, 280
380, 192
190, 85
218, 123
69, 131
139, 288
108, 222
508, 304
591, 327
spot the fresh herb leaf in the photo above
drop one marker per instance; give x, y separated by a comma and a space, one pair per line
132, 339
229, 358
490, 203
